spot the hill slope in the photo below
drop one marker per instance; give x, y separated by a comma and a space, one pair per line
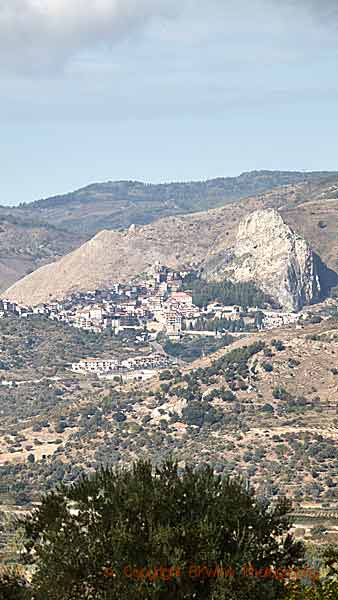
24, 247
263, 409
39, 233
114, 205
183, 241
113, 256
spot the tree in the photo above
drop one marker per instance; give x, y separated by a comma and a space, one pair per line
13, 586
158, 534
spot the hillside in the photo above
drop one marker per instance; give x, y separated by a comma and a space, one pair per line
270, 255
25, 246
115, 205
186, 241
265, 406
113, 256
60, 224
39, 233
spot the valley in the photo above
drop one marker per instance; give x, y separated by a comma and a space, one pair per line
210, 337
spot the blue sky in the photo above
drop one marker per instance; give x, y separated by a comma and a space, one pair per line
163, 90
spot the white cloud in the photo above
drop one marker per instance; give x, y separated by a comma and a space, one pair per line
38, 33
42, 36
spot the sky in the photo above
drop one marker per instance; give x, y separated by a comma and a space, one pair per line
163, 90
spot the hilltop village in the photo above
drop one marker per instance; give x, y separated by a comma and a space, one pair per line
161, 303
157, 304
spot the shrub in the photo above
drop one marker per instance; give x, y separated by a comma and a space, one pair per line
280, 393
267, 367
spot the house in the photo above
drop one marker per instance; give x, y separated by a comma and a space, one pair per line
182, 297
173, 322
96, 366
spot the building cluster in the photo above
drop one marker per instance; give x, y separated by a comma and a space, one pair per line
272, 319
157, 304
117, 367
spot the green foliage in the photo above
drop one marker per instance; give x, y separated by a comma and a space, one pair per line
165, 375
228, 396
198, 413
278, 344
193, 347
280, 393
226, 292
232, 325
13, 586
112, 205
109, 536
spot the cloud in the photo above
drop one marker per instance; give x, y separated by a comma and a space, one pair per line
42, 36
322, 8
324, 11
38, 33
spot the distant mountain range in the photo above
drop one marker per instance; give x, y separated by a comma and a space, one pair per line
35, 234
188, 241
116, 205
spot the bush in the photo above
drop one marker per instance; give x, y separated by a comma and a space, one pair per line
164, 375
278, 344
119, 417
228, 396
13, 586
267, 367
280, 393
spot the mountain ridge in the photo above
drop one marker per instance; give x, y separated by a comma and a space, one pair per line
62, 229
185, 242
118, 204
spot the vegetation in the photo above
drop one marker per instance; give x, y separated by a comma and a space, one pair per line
144, 533
46, 346
231, 325
113, 205
192, 347
225, 292
223, 413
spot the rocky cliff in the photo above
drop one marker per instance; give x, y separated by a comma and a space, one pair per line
257, 247
119, 256
270, 254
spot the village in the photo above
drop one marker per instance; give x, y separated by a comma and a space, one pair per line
159, 304
155, 305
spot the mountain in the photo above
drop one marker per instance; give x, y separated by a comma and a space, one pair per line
259, 247
25, 246
116, 205
268, 253
35, 234
114, 256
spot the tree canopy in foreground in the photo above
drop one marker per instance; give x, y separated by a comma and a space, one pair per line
159, 534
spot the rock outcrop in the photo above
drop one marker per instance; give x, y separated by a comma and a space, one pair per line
268, 253
119, 256
258, 247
